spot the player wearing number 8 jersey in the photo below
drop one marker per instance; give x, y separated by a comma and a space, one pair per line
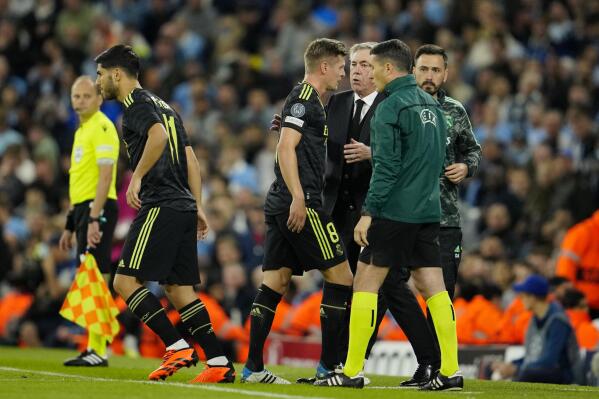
300, 236
161, 245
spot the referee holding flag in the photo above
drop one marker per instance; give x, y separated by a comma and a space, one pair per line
92, 193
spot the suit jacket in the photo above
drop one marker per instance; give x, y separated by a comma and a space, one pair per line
339, 114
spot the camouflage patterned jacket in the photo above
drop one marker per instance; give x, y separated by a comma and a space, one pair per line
461, 147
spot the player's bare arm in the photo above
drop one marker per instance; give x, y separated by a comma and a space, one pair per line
287, 159
104, 179
194, 178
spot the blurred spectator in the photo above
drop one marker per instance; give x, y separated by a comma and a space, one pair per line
577, 310
54, 270
10, 184
155, 14
550, 343
579, 260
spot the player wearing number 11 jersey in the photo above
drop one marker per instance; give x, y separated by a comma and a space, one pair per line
161, 244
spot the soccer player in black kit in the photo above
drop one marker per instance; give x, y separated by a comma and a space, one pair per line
300, 236
161, 244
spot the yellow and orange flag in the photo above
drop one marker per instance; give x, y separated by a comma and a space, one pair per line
89, 303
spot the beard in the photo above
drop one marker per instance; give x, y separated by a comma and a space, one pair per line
110, 92
430, 87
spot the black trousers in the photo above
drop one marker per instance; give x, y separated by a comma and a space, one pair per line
546, 375
103, 250
395, 295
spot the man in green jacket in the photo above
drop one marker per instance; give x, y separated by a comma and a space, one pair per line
401, 214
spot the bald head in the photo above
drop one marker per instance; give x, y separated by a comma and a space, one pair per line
85, 97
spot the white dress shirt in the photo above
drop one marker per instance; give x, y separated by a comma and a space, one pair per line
368, 100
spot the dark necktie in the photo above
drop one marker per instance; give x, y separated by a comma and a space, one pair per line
355, 122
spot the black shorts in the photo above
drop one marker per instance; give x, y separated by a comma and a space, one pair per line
397, 244
162, 246
317, 246
103, 250
451, 255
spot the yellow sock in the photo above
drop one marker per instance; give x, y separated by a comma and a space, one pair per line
97, 343
444, 320
361, 325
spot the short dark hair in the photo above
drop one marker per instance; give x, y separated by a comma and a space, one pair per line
322, 48
396, 52
121, 56
431, 49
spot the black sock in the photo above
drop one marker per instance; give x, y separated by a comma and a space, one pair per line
148, 308
196, 320
333, 310
261, 316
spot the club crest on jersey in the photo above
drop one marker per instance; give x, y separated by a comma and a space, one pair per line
427, 116
298, 110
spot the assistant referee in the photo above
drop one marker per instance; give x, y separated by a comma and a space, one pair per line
92, 193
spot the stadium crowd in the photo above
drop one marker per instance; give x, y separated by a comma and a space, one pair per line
527, 71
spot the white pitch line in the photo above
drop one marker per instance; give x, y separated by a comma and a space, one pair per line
177, 384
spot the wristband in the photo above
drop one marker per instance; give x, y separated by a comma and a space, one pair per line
100, 219
70, 224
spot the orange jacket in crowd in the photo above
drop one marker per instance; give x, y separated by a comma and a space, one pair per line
304, 318
13, 306
478, 322
513, 324
579, 258
586, 333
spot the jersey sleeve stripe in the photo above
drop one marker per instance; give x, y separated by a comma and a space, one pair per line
304, 87
309, 93
306, 92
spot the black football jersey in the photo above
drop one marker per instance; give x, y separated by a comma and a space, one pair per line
166, 183
303, 111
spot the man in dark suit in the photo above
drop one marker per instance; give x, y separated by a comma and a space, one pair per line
347, 180
348, 148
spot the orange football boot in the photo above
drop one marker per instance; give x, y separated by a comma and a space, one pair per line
173, 361
216, 374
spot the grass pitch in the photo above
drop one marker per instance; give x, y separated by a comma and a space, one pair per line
39, 374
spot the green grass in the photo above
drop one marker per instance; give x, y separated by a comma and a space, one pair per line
39, 374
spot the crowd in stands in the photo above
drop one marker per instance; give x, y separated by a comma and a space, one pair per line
526, 70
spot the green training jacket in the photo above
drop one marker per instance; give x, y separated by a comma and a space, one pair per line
407, 136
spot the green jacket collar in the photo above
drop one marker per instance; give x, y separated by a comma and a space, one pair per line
399, 83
